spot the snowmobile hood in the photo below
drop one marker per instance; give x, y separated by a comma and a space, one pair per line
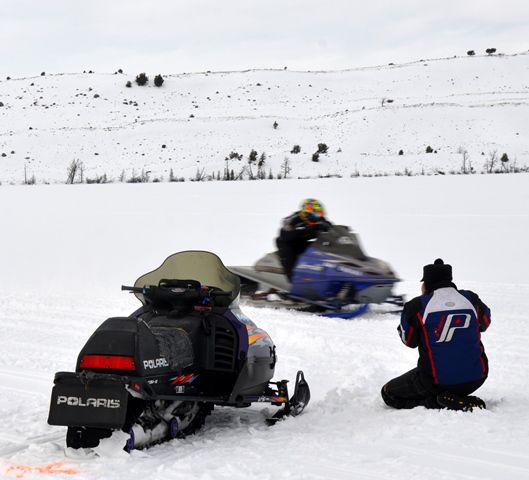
202, 266
340, 241
343, 246
369, 266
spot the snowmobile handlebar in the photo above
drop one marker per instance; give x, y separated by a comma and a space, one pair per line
133, 289
144, 290
168, 293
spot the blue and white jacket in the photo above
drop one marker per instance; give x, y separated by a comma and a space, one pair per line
446, 325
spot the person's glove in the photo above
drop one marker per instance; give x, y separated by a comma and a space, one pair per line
324, 226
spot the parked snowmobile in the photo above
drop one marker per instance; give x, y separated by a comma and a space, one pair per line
159, 372
333, 276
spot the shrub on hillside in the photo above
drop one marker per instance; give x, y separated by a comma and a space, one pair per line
429, 149
158, 80
490, 51
252, 158
315, 157
322, 148
295, 149
471, 53
235, 156
142, 79
142, 178
98, 179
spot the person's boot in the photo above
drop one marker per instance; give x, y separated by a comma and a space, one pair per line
263, 294
465, 403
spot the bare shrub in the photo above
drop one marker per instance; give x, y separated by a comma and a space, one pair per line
285, 168
98, 179
490, 164
466, 165
75, 172
143, 177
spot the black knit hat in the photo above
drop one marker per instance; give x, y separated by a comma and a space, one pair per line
436, 272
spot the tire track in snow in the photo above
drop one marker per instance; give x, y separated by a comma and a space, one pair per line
498, 464
20, 443
26, 383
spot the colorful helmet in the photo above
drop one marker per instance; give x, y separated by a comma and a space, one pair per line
311, 211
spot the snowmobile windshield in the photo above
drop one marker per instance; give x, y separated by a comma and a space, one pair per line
339, 240
204, 267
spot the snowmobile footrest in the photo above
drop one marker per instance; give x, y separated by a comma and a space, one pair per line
348, 314
297, 403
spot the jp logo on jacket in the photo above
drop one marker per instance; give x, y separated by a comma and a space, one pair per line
446, 326
453, 322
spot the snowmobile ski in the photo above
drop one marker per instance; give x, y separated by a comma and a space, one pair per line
297, 403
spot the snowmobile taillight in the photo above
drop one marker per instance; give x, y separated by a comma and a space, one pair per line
202, 308
112, 362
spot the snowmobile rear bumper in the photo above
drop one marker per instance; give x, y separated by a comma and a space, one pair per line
91, 399
78, 400
101, 400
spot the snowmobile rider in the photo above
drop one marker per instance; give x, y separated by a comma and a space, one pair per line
298, 230
445, 323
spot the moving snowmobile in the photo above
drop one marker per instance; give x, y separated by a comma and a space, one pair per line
159, 372
333, 276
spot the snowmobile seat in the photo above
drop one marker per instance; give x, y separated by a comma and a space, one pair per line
270, 263
176, 337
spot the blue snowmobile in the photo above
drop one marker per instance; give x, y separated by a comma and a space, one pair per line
333, 277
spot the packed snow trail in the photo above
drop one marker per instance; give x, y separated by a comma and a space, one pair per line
346, 430
65, 253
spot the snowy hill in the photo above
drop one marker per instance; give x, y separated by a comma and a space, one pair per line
65, 251
190, 124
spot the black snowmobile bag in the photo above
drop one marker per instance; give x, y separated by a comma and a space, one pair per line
80, 400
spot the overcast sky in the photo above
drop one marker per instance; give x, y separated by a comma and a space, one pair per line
172, 36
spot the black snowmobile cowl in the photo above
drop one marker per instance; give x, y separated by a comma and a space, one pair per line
159, 372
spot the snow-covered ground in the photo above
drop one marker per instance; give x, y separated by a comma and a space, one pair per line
65, 251
478, 105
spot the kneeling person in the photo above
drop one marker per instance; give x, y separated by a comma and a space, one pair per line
445, 323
